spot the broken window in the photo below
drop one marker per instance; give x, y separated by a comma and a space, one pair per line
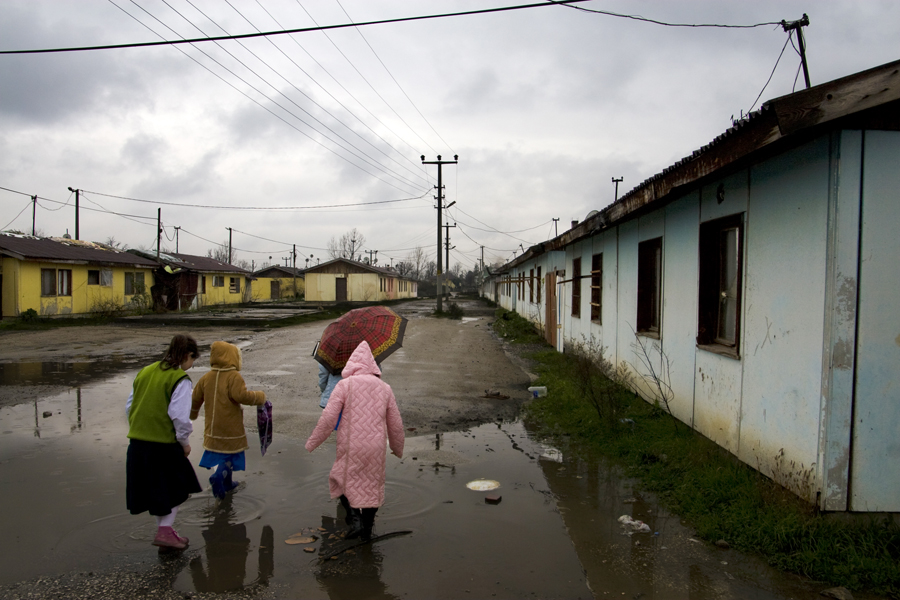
134, 284
576, 287
649, 286
48, 282
234, 285
596, 290
721, 257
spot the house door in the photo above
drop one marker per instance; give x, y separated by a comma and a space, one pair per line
550, 308
340, 289
275, 290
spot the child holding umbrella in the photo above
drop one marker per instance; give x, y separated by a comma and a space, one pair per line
369, 415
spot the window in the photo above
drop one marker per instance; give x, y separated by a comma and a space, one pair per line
596, 289
218, 281
203, 284
649, 286
134, 283
721, 257
48, 282
576, 287
531, 286
93, 277
100, 277
234, 285
539, 285
64, 286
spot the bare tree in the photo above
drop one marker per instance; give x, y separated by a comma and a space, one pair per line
112, 242
404, 269
220, 253
417, 260
429, 271
349, 246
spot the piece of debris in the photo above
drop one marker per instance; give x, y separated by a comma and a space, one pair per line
841, 593
493, 498
633, 525
300, 539
483, 485
47, 413
722, 544
309, 549
495, 394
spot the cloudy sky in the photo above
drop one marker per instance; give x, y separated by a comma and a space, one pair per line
299, 139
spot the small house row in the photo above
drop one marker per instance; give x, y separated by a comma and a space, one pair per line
757, 280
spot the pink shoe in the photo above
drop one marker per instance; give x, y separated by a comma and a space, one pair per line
166, 537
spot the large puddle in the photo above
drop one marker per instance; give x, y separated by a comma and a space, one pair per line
553, 533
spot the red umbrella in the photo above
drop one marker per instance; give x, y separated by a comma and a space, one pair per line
381, 327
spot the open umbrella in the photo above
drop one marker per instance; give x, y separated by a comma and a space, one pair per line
381, 327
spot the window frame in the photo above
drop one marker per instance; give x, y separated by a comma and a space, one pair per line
576, 287
540, 285
64, 282
597, 288
710, 285
234, 285
93, 277
203, 284
48, 282
218, 281
136, 281
649, 288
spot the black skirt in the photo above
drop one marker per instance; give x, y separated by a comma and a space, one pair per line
158, 477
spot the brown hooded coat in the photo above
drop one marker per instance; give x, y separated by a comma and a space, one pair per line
224, 391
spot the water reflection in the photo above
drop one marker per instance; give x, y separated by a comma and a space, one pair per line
351, 574
227, 549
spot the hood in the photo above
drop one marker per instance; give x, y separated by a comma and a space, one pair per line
224, 356
361, 362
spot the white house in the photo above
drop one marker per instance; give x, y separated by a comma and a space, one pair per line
764, 269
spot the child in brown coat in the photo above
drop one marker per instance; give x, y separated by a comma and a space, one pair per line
224, 438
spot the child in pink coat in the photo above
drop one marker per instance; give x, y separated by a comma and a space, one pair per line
369, 415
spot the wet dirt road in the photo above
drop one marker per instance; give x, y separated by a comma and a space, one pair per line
553, 534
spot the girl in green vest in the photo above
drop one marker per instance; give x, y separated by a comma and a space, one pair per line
159, 476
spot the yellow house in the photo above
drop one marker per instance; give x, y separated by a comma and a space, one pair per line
278, 283
185, 281
60, 276
344, 280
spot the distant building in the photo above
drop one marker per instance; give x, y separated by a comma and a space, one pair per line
66, 277
184, 281
343, 280
278, 283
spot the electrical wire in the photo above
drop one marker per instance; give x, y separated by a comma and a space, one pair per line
332, 96
17, 216
286, 31
790, 34
366, 159
656, 22
260, 208
394, 79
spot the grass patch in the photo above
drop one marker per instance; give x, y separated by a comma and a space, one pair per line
454, 311
515, 329
718, 495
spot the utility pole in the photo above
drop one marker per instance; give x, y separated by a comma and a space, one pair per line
616, 181
555, 228
799, 25
176, 239
372, 259
295, 271
447, 245
158, 230
77, 194
440, 204
229, 244
33, 212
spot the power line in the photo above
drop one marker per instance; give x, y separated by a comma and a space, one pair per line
365, 158
263, 208
656, 22
286, 31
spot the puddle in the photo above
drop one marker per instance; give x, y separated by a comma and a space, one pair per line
549, 528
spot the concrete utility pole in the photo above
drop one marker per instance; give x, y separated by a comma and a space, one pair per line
295, 271
77, 194
176, 239
373, 256
229, 244
555, 228
440, 204
616, 181
799, 25
33, 213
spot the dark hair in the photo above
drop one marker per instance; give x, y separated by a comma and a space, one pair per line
180, 348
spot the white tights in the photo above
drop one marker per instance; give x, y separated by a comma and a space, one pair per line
167, 520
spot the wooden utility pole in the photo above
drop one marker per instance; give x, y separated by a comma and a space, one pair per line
77, 194
799, 25
440, 204
158, 230
33, 213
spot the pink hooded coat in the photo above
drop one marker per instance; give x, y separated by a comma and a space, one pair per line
370, 415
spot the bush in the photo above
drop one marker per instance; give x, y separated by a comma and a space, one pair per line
29, 316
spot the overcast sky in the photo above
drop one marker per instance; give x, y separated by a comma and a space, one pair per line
319, 133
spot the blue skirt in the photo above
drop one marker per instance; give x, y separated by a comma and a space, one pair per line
211, 460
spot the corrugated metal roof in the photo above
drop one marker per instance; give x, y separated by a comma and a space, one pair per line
26, 247
355, 263
192, 263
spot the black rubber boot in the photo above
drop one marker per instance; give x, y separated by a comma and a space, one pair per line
356, 526
368, 522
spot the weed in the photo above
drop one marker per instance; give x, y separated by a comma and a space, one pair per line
721, 497
454, 311
515, 329
29, 316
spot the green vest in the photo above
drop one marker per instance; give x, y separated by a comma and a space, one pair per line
148, 419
